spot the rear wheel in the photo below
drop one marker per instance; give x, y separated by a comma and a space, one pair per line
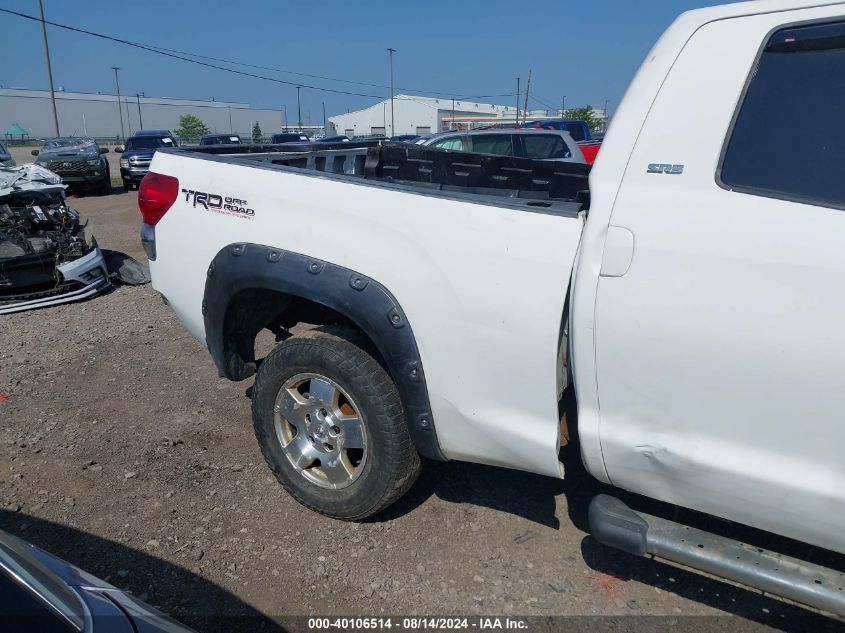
330, 423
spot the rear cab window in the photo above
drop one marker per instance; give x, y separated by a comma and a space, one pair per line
497, 144
289, 138
450, 142
799, 74
545, 146
576, 131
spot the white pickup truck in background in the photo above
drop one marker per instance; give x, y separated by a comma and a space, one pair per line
693, 294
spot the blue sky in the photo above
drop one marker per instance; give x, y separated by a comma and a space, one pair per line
587, 51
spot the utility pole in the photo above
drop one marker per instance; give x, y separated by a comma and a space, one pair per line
119, 109
285, 116
563, 107
527, 89
229, 108
452, 123
517, 100
141, 121
392, 120
49, 67
298, 110
325, 132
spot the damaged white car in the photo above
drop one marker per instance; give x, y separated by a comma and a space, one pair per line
45, 258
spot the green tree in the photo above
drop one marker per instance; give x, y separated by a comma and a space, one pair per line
191, 126
257, 134
584, 114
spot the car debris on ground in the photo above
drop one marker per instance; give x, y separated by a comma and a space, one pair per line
45, 258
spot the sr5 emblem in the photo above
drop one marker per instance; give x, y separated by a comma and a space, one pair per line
663, 168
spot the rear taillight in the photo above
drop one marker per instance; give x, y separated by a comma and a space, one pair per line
156, 195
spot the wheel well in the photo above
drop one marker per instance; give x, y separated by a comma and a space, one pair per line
255, 309
251, 287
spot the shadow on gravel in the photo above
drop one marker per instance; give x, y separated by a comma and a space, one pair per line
532, 497
580, 487
183, 595
529, 496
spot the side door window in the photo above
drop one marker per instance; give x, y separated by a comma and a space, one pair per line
799, 76
498, 144
545, 146
450, 142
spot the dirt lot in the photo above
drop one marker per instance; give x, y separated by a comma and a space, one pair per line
123, 452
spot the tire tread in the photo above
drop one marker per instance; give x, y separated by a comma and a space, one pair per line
402, 463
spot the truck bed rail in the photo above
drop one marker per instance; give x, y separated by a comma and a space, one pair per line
432, 168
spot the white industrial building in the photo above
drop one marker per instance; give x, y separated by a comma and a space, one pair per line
423, 115
84, 114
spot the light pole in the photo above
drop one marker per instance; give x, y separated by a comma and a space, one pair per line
392, 120
563, 107
298, 110
452, 122
325, 132
141, 121
517, 100
119, 109
285, 116
49, 67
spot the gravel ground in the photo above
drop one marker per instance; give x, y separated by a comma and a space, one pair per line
125, 453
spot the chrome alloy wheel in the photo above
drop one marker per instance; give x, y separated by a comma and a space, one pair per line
320, 430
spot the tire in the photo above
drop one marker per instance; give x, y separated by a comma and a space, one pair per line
292, 429
127, 186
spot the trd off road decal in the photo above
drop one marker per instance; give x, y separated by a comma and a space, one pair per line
219, 204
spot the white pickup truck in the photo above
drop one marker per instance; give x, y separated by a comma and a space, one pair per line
692, 293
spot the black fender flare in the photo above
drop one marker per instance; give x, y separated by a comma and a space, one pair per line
364, 301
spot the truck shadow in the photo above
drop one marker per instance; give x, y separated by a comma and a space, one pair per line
580, 487
534, 498
185, 596
526, 495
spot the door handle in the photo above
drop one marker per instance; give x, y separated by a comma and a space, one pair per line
618, 252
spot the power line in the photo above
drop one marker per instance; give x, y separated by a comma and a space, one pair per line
541, 102
312, 76
186, 59
179, 54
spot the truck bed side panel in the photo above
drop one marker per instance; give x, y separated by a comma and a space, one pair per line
482, 286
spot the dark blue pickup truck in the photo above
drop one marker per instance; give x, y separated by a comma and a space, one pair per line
139, 151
